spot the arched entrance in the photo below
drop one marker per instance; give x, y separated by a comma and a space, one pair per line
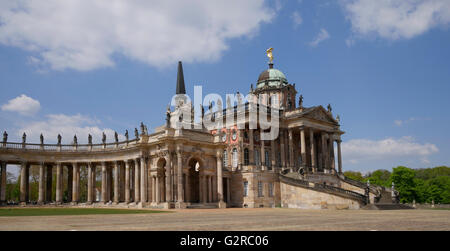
193, 181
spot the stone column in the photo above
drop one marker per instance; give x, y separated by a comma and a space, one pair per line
153, 178
137, 183
158, 186
94, 182
168, 180
59, 183
262, 154
251, 153
75, 184
332, 159
200, 187
41, 197
291, 149
104, 183
90, 185
205, 189
127, 181
282, 148
23, 182
3, 183
187, 187
273, 156
323, 151
116, 182
339, 156
313, 151
209, 189
219, 178
143, 180
180, 174
303, 147
214, 188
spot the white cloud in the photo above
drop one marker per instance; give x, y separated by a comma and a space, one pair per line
86, 34
396, 19
297, 19
322, 36
400, 123
365, 150
67, 126
22, 104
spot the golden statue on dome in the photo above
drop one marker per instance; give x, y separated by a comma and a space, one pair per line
270, 55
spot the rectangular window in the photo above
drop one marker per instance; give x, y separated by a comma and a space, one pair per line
260, 189
270, 189
245, 188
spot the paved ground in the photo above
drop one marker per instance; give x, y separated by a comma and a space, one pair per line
241, 219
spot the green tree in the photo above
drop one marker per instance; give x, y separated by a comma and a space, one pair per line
354, 176
403, 178
380, 177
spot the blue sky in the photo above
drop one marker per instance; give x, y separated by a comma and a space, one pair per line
94, 66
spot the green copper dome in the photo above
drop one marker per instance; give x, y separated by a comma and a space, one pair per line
271, 78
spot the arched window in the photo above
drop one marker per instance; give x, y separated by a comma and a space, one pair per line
235, 157
246, 157
267, 159
245, 188
225, 158
256, 155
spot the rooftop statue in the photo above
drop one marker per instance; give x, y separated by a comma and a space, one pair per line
300, 101
142, 128
116, 137
104, 138
5, 136
59, 139
270, 55
42, 139
24, 138
90, 139
126, 135
329, 108
75, 140
136, 133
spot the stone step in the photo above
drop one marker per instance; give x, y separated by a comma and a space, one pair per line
387, 206
202, 206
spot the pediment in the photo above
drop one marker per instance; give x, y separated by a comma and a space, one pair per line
321, 114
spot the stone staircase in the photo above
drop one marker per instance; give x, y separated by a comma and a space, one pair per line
202, 206
387, 206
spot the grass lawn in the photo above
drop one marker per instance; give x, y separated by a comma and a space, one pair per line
70, 211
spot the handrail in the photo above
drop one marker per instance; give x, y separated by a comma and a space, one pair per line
69, 147
324, 188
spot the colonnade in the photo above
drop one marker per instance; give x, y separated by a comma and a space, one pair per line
313, 150
126, 181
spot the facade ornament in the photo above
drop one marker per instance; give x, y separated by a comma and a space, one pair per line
251, 88
75, 140
59, 139
168, 117
5, 137
300, 101
42, 139
126, 135
116, 137
136, 133
269, 53
142, 128
104, 138
90, 139
24, 138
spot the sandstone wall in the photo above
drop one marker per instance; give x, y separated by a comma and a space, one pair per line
302, 198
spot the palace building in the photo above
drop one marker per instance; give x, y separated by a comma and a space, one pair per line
196, 167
